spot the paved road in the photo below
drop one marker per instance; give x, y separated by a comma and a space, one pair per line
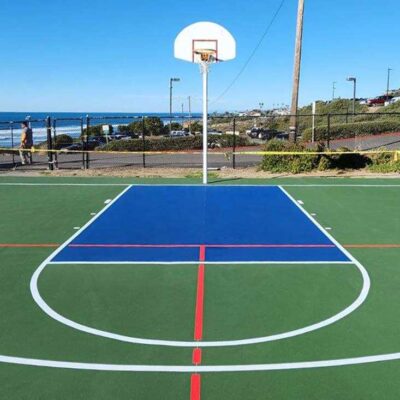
101, 160
390, 141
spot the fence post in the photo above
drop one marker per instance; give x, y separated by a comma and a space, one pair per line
234, 144
12, 143
83, 144
328, 133
144, 142
55, 142
86, 166
49, 144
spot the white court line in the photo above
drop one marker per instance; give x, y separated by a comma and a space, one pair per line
324, 232
199, 184
175, 343
197, 263
61, 184
341, 362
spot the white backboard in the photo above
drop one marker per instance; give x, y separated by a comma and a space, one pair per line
205, 36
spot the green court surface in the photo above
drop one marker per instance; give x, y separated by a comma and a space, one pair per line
241, 301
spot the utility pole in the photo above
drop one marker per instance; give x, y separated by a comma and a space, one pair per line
333, 90
296, 72
170, 101
190, 115
388, 83
183, 118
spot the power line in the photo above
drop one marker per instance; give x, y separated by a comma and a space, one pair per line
252, 54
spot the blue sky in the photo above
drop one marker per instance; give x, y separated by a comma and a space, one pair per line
70, 55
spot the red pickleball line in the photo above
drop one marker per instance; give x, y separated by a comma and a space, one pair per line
198, 319
195, 387
195, 379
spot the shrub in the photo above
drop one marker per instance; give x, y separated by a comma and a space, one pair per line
62, 141
167, 143
294, 164
153, 126
344, 131
97, 130
384, 163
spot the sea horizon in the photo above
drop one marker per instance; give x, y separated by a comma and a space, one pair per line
67, 123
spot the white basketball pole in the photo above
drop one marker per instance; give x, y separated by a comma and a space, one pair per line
204, 72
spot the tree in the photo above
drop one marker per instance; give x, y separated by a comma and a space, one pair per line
175, 126
97, 130
152, 125
196, 127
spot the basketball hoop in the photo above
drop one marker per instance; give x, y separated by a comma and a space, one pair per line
205, 55
205, 43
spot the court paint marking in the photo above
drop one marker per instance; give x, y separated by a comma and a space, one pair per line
195, 379
61, 184
27, 245
195, 387
217, 246
173, 343
197, 263
151, 184
200, 368
199, 311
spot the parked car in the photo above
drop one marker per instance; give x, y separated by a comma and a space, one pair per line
282, 136
262, 134
214, 132
178, 134
378, 101
394, 100
71, 148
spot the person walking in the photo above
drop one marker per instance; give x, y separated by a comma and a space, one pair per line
26, 143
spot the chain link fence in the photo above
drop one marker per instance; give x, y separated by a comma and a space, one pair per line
176, 142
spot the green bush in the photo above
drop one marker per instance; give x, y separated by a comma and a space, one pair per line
173, 144
62, 141
153, 126
294, 164
384, 163
344, 131
97, 130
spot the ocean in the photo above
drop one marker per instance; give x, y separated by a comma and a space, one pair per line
67, 123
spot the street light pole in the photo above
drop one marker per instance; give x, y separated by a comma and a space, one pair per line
388, 84
354, 80
170, 101
333, 90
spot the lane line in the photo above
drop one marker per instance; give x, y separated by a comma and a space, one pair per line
372, 246
198, 320
195, 379
173, 246
28, 245
265, 262
195, 387
196, 356
311, 185
341, 362
348, 246
61, 184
